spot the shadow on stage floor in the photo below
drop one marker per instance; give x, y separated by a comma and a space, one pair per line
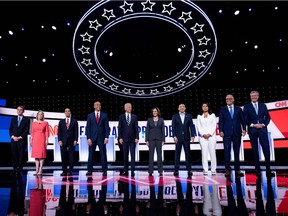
53, 194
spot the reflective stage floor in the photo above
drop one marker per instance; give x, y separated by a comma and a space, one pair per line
52, 194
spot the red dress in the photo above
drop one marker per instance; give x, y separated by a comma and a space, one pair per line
39, 134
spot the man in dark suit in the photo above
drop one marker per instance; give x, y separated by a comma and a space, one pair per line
128, 136
97, 132
231, 128
257, 119
67, 139
18, 131
183, 131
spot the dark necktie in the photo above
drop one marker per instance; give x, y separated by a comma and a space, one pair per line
67, 123
128, 119
97, 117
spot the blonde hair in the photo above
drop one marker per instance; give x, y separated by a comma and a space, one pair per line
40, 111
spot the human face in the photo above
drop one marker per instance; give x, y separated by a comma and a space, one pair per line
128, 108
254, 96
67, 113
20, 111
205, 107
155, 112
97, 106
229, 100
181, 108
40, 116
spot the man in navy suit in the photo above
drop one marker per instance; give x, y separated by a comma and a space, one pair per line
183, 131
97, 132
231, 128
257, 118
67, 139
128, 136
18, 131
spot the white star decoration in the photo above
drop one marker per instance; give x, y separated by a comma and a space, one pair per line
86, 37
100, 18
199, 65
168, 88
126, 7
168, 8
147, 5
197, 28
185, 16
86, 62
204, 53
203, 41
93, 72
94, 24
84, 50
191, 75
108, 14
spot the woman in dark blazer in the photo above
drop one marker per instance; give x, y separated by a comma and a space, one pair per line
155, 138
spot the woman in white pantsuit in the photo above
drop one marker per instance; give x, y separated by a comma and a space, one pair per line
206, 126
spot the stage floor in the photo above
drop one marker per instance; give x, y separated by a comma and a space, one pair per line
143, 194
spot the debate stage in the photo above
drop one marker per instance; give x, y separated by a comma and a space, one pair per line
142, 194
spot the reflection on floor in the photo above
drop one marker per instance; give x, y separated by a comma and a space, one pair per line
52, 194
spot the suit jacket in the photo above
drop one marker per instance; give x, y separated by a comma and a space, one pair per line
100, 130
251, 117
231, 126
68, 136
155, 132
22, 130
125, 132
184, 131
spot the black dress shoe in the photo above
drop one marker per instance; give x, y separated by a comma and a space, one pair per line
104, 173
190, 174
70, 173
132, 173
176, 173
270, 174
88, 173
63, 174
227, 173
150, 174
161, 174
239, 173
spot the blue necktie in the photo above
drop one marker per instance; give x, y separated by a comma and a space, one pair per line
256, 108
19, 120
231, 111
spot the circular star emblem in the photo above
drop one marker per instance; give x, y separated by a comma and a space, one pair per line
144, 49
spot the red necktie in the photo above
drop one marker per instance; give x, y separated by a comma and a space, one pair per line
97, 117
67, 123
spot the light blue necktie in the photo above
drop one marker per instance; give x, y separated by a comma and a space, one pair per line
19, 120
256, 108
231, 111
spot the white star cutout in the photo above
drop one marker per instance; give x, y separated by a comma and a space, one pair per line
203, 41
191, 75
93, 72
126, 7
126, 91
204, 53
108, 14
94, 24
180, 83
140, 92
168, 8
154, 92
147, 5
113, 87
86, 62
199, 65
86, 37
197, 28
84, 50
168, 88
185, 16
102, 81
